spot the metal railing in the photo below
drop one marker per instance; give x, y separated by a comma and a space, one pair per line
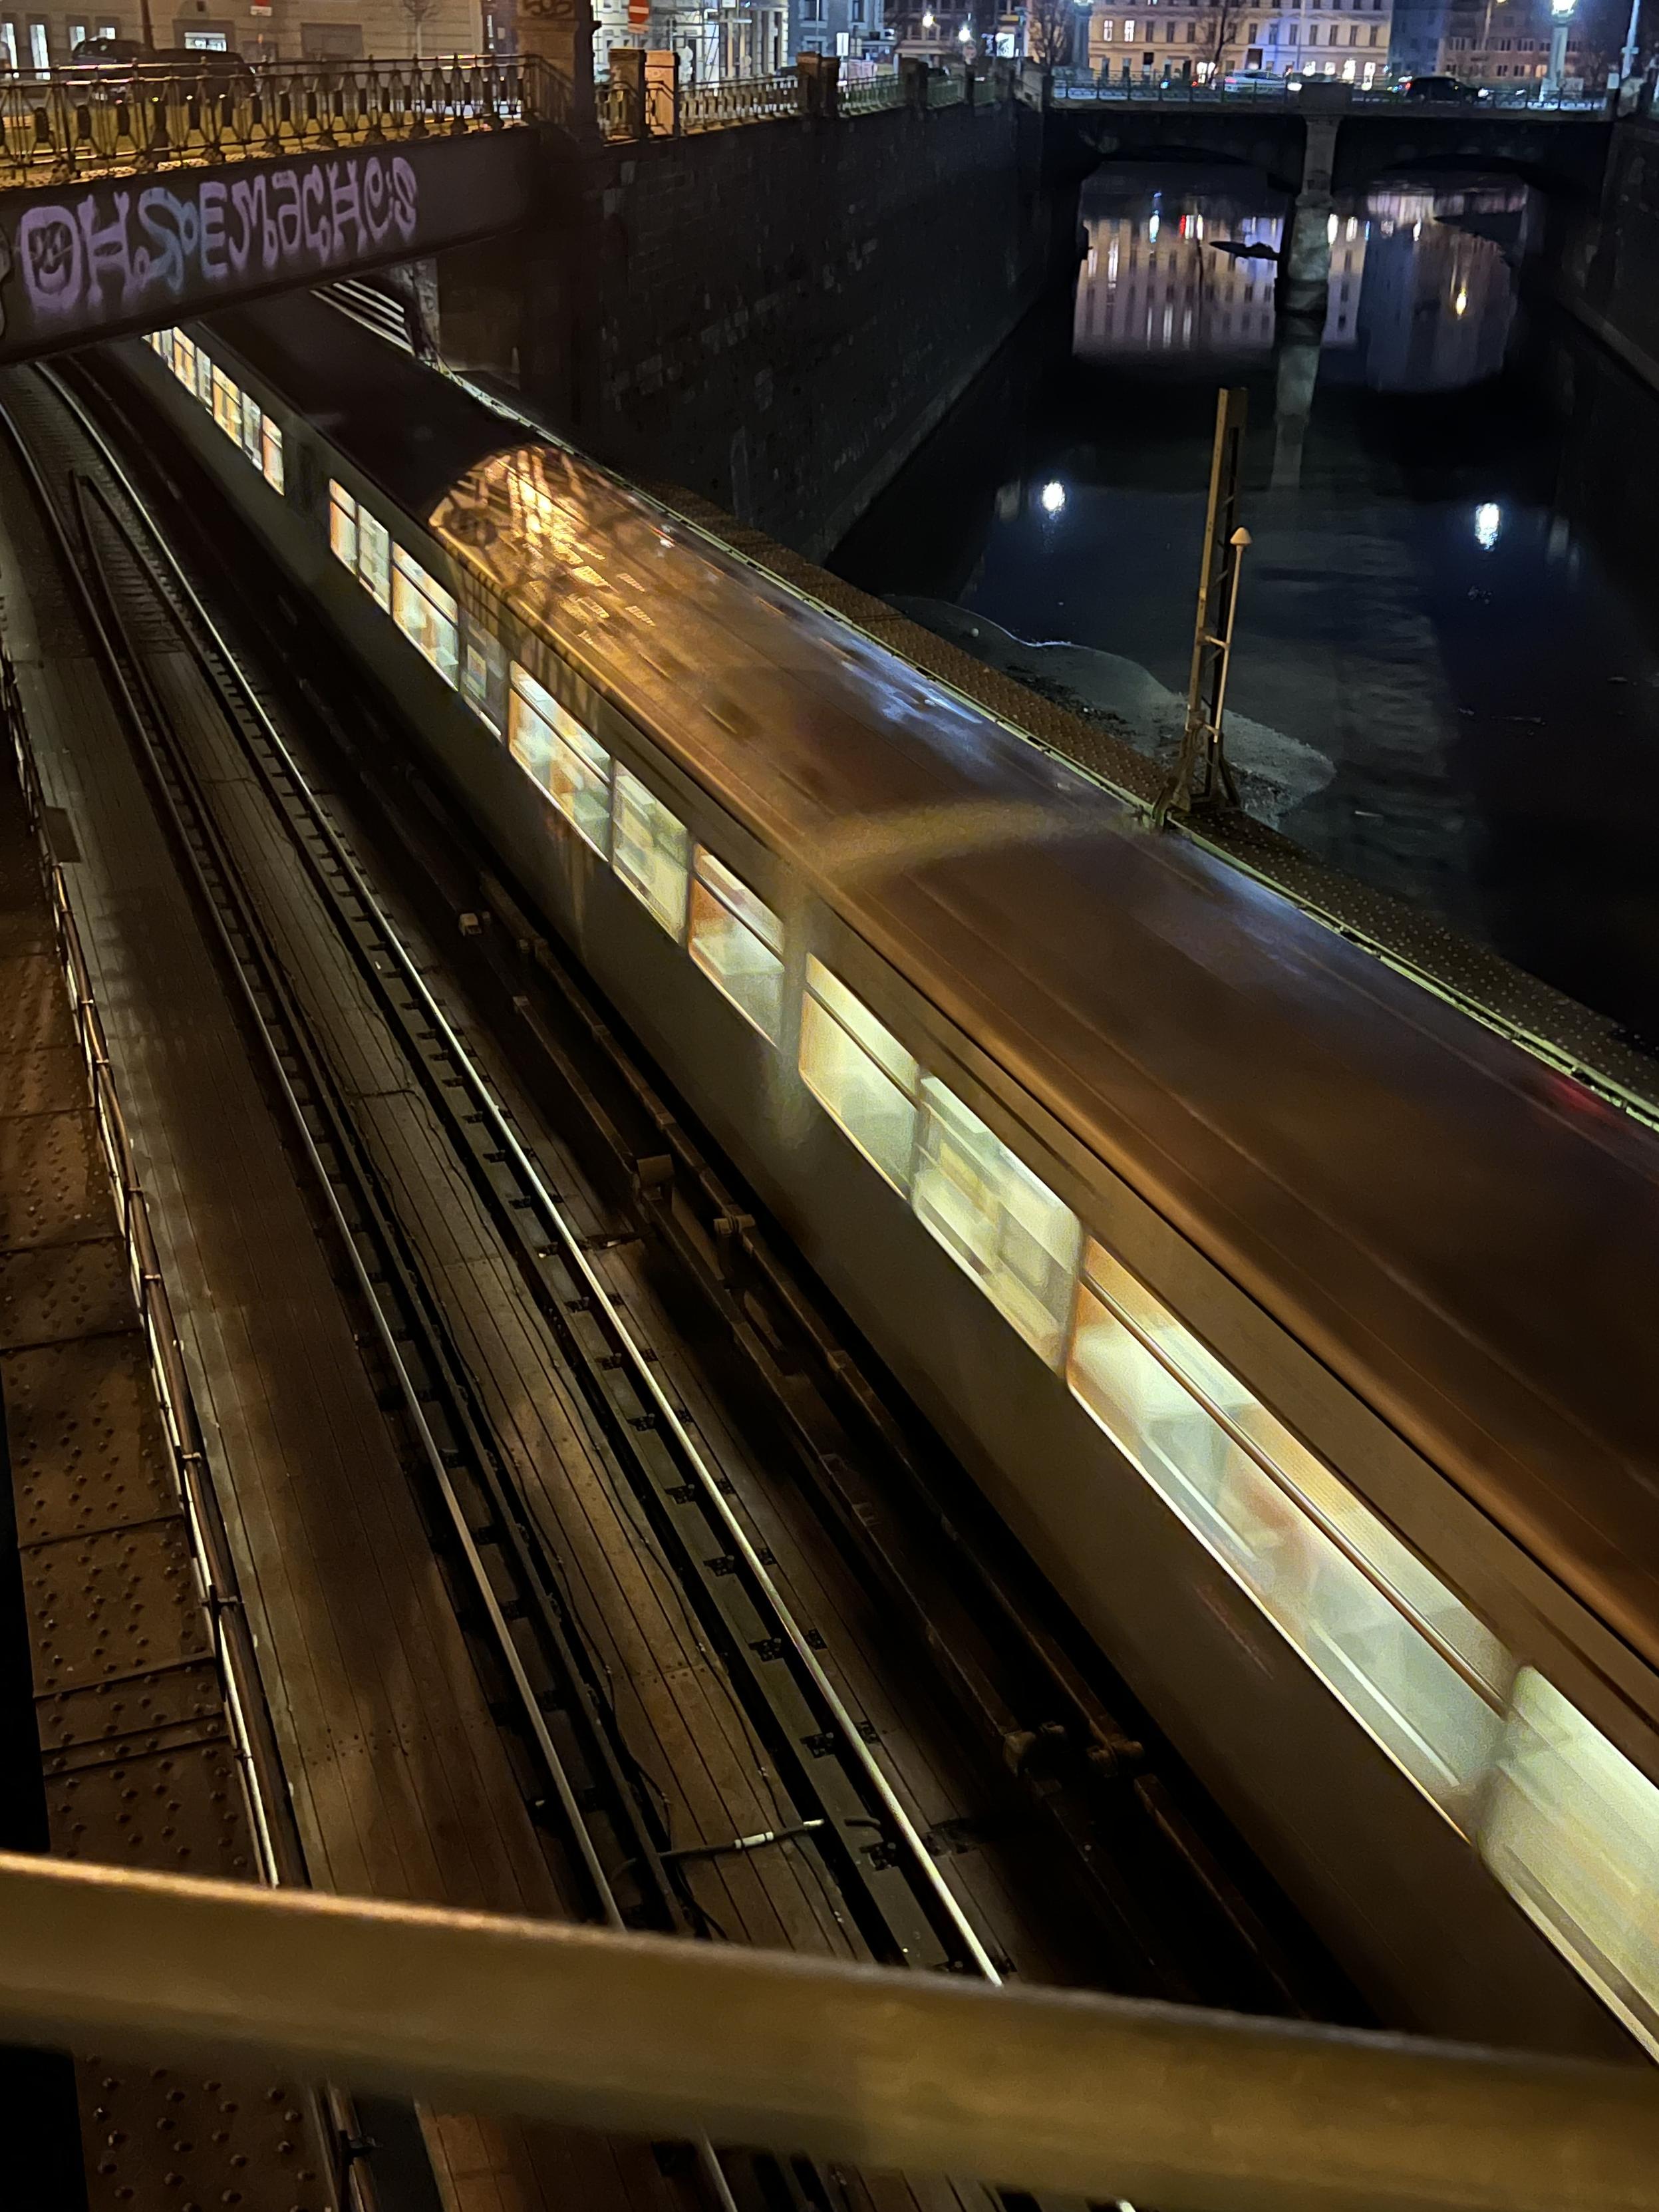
1073, 88
740, 100
864, 95
1021, 2086
90, 120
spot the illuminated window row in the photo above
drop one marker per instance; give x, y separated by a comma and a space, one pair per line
238, 414
1567, 1824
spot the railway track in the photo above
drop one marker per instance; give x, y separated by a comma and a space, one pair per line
1168, 1912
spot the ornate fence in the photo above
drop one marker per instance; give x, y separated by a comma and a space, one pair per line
632, 104
740, 99
99, 118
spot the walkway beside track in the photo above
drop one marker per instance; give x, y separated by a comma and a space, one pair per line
401, 1785
140, 1757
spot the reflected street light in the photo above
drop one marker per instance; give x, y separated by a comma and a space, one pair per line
1488, 521
1053, 497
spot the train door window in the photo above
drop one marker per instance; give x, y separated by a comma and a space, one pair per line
342, 525
252, 424
649, 850
374, 558
271, 454
736, 940
996, 1219
484, 678
1406, 1656
426, 614
573, 767
1572, 1831
860, 1073
227, 405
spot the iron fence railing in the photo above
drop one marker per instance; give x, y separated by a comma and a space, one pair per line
87, 120
1076, 90
864, 95
740, 100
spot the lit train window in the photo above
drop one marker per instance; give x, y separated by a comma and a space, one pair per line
227, 404
1406, 1656
736, 939
342, 525
571, 767
374, 558
860, 1073
484, 678
426, 614
1572, 1832
1018, 1241
270, 454
649, 850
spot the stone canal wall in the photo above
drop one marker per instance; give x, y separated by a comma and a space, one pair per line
773, 315
1608, 266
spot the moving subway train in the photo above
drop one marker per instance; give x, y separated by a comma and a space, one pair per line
1297, 1325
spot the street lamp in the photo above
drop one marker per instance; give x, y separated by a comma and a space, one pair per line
1561, 14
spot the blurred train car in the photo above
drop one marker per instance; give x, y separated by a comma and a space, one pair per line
1298, 1326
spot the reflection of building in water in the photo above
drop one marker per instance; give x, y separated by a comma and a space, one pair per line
1160, 279
1440, 300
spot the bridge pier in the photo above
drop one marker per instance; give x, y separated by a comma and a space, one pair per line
1304, 257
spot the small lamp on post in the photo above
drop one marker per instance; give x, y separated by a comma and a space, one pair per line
1561, 14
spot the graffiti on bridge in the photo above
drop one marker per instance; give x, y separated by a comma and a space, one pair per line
120, 251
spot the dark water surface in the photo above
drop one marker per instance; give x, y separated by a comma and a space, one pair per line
1448, 647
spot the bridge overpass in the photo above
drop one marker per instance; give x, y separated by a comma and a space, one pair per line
128, 203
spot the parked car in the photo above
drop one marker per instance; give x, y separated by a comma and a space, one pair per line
1447, 89
170, 68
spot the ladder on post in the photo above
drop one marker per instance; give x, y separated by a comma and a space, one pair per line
1201, 776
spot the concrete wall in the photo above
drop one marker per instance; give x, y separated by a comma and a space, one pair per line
775, 315
1608, 265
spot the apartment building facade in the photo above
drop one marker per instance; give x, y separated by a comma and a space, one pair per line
1196, 39
36, 39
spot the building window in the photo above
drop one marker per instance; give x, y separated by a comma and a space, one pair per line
9, 43
426, 614
860, 1073
40, 49
738, 942
75, 35
649, 850
571, 766
483, 679
996, 1219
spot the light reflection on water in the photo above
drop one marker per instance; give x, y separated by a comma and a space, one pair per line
1448, 646
1421, 291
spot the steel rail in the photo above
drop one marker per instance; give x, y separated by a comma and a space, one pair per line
284, 1036
1047, 2089
507, 1142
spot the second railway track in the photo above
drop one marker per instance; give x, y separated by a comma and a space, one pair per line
883, 1870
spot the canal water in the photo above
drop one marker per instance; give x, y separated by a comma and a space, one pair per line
1446, 674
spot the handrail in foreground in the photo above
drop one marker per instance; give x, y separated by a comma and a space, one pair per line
1022, 2087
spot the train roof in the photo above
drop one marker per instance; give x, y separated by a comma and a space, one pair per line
1461, 1235
410, 432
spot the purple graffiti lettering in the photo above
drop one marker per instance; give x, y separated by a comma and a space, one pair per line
49, 254
247, 203
405, 198
313, 214
211, 199
285, 201
344, 204
114, 248
163, 260
377, 199
108, 251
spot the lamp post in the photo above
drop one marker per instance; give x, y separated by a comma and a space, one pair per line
1627, 59
1561, 14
